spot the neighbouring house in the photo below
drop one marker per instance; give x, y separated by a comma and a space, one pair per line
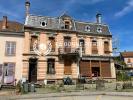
127, 57
11, 49
77, 48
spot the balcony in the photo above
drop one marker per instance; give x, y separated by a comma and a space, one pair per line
68, 50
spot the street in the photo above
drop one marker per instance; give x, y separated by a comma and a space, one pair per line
93, 97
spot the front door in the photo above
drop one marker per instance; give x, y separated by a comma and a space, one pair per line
95, 71
33, 70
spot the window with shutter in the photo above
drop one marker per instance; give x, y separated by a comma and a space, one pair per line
106, 47
94, 47
67, 44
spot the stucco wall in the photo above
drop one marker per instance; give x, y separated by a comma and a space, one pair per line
17, 59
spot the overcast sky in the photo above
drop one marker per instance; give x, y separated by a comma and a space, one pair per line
118, 14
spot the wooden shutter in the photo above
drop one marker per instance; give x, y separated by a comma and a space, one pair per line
67, 44
67, 67
106, 47
105, 69
85, 68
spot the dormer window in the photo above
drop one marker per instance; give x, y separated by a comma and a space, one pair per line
67, 25
87, 28
99, 30
43, 23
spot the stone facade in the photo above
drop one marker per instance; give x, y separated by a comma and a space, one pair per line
96, 47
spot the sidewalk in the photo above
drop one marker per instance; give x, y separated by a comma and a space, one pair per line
35, 96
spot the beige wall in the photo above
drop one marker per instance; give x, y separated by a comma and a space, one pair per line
17, 59
43, 38
129, 64
59, 38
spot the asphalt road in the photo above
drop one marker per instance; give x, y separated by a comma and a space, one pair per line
94, 97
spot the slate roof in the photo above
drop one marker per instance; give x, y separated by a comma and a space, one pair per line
58, 24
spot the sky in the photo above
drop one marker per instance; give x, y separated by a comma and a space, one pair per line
118, 14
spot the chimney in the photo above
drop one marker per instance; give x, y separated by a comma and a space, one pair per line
4, 22
27, 7
99, 18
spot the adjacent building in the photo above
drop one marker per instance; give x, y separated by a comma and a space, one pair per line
11, 49
127, 57
78, 49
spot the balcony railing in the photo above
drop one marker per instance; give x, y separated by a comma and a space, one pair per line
67, 50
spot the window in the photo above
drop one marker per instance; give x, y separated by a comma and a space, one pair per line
33, 41
9, 69
99, 30
51, 66
82, 44
43, 23
87, 28
94, 43
129, 60
10, 49
67, 25
67, 44
94, 47
106, 47
52, 40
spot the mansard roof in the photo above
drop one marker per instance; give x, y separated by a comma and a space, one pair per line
57, 23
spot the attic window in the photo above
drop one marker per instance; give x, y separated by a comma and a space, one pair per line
87, 28
67, 24
43, 24
99, 30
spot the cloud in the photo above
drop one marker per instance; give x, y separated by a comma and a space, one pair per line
86, 1
128, 8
